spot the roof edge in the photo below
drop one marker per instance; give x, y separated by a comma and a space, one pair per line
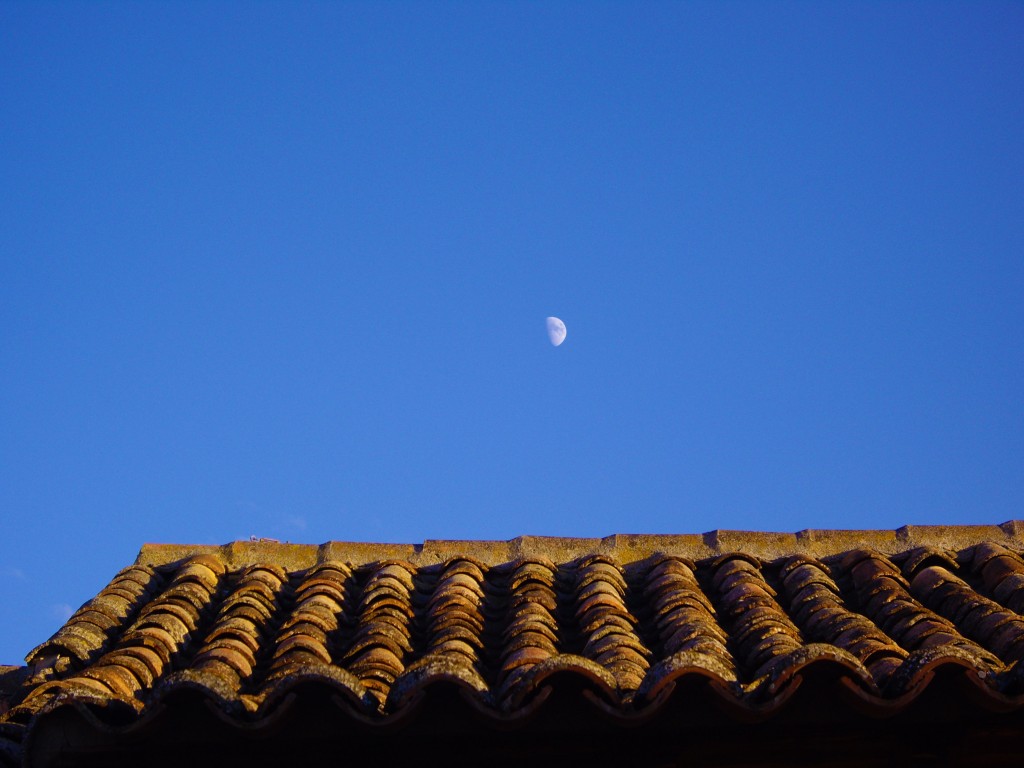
627, 547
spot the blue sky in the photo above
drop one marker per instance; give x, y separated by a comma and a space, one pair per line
282, 270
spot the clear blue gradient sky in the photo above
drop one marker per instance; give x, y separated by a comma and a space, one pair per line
282, 270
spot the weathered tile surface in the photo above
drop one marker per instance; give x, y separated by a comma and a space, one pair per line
628, 619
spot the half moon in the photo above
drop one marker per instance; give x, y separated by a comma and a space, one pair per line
556, 331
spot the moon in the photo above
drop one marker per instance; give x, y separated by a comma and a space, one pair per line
556, 331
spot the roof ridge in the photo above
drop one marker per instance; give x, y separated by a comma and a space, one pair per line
766, 545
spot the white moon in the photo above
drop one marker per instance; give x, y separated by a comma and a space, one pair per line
556, 331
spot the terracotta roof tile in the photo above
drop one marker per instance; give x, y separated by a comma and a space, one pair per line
628, 620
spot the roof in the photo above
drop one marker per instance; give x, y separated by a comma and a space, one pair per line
629, 630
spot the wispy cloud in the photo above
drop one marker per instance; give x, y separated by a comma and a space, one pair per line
296, 521
62, 611
10, 572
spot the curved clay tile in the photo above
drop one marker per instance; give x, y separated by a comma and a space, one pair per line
915, 559
453, 624
83, 637
885, 597
818, 608
225, 661
999, 630
609, 629
382, 635
760, 630
565, 667
531, 633
1002, 571
163, 626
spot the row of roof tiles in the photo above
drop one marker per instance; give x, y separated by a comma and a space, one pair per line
379, 633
